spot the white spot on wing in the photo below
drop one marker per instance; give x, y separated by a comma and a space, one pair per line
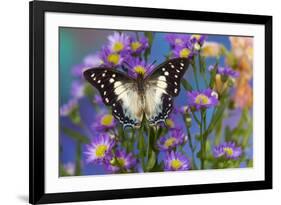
103, 75
111, 80
107, 100
166, 73
176, 76
99, 81
181, 64
113, 75
102, 85
172, 66
176, 90
163, 69
93, 74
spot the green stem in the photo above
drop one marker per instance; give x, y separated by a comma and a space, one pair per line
196, 118
195, 75
191, 148
202, 142
202, 69
141, 146
78, 158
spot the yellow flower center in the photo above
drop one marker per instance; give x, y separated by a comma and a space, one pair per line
135, 45
118, 46
196, 36
228, 150
169, 142
100, 150
184, 53
113, 58
202, 99
121, 161
139, 69
170, 123
107, 120
178, 41
176, 164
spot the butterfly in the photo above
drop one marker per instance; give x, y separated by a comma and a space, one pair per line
132, 99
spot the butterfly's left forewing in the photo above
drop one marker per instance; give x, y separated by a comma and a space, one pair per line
161, 86
118, 91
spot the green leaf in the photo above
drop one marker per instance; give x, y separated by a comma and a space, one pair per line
76, 135
186, 85
151, 161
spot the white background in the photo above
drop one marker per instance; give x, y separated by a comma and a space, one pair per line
14, 100
55, 184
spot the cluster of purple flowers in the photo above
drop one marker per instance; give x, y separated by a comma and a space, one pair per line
103, 150
184, 45
174, 160
122, 50
225, 71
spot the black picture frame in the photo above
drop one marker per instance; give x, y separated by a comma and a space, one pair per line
37, 9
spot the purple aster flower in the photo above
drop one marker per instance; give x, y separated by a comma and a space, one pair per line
93, 60
203, 99
77, 89
100, 149
175, 138
227, 71
121, 161
119, 42
103, 122
138, 67
77, 70
183, 51
67, 108
177, 40
111, 59
228, 150
137, 46
175, 161
197, 41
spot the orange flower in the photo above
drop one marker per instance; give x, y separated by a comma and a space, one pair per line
211, 49
241, 58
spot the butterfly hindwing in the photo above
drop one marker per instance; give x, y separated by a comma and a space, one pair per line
118, 91
158, 104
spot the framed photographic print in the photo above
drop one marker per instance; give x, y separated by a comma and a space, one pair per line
140, 102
